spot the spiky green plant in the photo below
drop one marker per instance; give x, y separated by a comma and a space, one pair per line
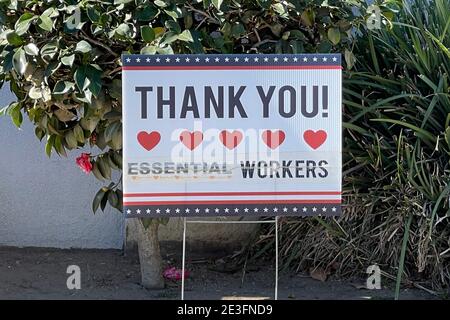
396, 158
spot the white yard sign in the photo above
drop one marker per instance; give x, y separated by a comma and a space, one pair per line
219, 135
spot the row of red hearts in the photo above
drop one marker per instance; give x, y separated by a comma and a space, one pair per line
273, 139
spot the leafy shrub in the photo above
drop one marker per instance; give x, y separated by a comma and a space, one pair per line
396, 158
62, 58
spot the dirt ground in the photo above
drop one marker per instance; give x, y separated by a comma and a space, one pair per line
39, 273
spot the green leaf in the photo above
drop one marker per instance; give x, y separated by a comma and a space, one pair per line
161, 3
98, 199
281, 9
93, 14
14, 39
37, 93
15, 114
20, 61
45, 23
79, 134
83, 47
113, 199
349, 59
94, 74
23, 24
308, 18
117, 158
104, 168
147, 13
59, 146
186, 36
62, 87
217, 3
147, 34
71, 140
68, 60
173, 26
39, 132
237, 30
116, 140
89, 124
49, 144
31, 49
111, 129
49, 50
96, 172
81, 79
148, 50
124, 31
334, 35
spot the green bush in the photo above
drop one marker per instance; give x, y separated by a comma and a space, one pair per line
396, 158
62, 58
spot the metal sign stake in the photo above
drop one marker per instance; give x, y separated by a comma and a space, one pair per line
183, 263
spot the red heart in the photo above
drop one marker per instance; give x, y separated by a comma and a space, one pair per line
315, 138
149, 140
273, 138
191, 139
230, 139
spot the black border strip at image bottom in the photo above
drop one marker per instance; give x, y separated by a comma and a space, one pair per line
211, 210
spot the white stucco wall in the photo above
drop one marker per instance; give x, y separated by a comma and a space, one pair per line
47, 202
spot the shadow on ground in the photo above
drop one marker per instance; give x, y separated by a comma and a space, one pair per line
39, 273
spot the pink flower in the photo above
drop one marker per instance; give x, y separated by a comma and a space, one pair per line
174, 273
84, 162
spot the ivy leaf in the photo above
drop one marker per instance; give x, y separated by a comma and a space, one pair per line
31, 49
94, 74
83, 47
68, 60
49, 50
20, 61
62, 87
147, 13
45, 23
15, 114
93, 14
217, 3
186, 36
308, 17
124, 31
161, 3
147, 34
80, 78
14, 39
334, 35
148, 50
23, 24
49, 144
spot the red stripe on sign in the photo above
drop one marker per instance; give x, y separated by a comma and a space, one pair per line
230, 67
155, 203
264, 193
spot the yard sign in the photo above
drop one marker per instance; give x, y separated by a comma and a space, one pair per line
222, 135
